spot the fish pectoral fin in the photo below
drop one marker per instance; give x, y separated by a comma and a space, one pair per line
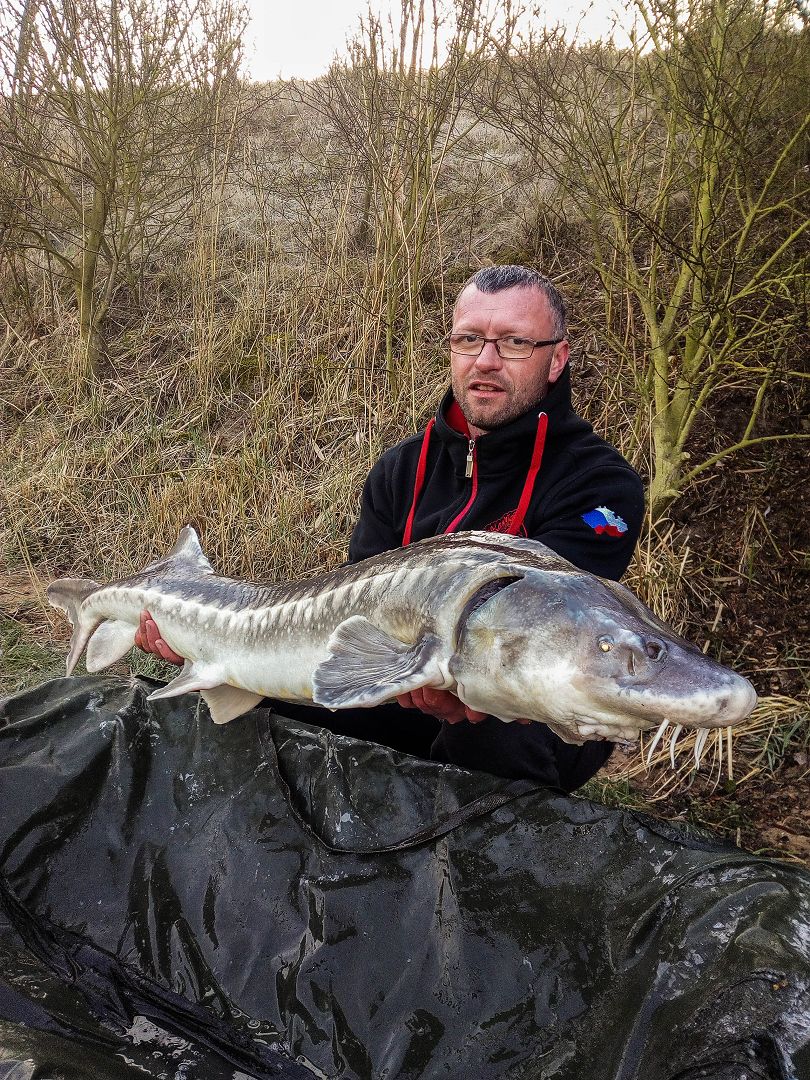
112, 640
366, 666
227, 702
193, 677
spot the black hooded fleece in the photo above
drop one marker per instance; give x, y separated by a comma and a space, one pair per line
579, 473
573, 491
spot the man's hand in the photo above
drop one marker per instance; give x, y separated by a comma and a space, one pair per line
441, 704
444, 705
147, 637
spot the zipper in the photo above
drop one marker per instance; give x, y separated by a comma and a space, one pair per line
471, 473
468, 471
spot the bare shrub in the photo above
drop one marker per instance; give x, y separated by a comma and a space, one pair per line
114, 110
682, 157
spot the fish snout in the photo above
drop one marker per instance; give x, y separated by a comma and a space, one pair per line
696, 692
736, 700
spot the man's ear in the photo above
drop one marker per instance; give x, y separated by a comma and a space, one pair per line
558, 361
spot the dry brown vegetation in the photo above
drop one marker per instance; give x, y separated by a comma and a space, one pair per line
242, 368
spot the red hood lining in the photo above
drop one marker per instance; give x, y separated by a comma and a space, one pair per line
456, 419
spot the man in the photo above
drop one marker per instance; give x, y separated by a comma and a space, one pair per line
506, 453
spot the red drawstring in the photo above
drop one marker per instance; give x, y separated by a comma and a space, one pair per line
519, 515
419, 482
460, 517
534, 468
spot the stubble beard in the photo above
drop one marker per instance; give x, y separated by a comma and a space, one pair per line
495, 415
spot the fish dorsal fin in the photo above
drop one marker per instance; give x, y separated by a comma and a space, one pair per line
366, 666
186, 552
187, 545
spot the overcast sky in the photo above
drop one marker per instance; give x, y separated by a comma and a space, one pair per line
298, 38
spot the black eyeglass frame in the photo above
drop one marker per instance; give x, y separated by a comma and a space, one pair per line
494, 341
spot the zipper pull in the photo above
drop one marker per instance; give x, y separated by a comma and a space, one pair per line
469, 469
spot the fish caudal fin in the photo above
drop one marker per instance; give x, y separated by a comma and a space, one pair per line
224, 702
67, 594
366, 666
112, 640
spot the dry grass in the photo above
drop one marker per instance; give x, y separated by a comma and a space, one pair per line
677, 760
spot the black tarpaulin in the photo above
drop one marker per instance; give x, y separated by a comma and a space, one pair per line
267, 899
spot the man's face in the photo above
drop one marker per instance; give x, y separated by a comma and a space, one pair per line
492, 391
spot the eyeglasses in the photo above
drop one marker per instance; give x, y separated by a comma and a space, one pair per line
509, 347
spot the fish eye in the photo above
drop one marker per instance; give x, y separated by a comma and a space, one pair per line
605, 644
656, 650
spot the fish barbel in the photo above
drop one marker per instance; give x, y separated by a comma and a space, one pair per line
509, 626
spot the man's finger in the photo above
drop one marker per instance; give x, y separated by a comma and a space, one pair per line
433, 702
436, 699
417, 700
152, 635
148, 638
165, 651
474, 716
141, 639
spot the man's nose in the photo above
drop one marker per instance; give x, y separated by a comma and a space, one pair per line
489, 358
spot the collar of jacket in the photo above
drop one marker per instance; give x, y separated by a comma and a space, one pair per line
509, 447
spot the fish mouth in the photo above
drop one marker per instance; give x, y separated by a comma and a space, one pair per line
637, 713
719, 706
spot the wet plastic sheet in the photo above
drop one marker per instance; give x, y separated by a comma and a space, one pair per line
266, 899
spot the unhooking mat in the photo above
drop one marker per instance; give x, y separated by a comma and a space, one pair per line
268, 900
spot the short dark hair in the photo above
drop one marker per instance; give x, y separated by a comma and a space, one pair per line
492, 279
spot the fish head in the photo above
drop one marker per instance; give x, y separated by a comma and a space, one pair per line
588, 658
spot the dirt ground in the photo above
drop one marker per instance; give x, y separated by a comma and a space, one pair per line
766, 814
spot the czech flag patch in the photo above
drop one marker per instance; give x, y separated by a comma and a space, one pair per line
602, 520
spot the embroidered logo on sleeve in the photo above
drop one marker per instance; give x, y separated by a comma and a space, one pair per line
602, 520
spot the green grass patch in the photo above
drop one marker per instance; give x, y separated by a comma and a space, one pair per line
24, 662
613, 792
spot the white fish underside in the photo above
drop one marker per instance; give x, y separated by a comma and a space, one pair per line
492, 618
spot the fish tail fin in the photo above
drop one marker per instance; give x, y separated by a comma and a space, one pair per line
67, 594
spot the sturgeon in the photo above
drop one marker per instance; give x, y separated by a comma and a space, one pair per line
505, 623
